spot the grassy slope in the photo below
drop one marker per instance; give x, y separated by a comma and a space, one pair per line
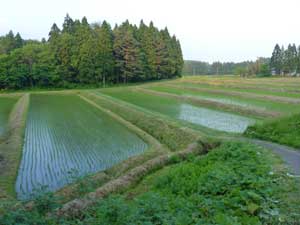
284, 131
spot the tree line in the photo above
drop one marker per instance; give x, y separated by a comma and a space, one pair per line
286, 61
259, 67
89, 54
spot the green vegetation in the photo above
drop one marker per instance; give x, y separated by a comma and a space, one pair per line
67, 138
89, 54
285, 131
6, 105
218, 188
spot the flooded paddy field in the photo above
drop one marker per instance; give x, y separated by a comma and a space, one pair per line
66, 138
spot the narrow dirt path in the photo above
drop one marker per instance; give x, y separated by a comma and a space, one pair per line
290, 155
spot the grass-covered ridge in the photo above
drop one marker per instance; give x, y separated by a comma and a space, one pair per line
284, 131
233, 184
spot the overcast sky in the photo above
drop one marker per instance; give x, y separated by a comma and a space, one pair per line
209, 30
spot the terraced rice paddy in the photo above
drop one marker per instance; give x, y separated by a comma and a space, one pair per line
6, 105
179, 110
66, 138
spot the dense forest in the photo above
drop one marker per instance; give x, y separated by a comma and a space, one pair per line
89, 54
259, 67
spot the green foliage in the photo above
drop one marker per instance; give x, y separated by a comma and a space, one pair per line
284, 131
84, 54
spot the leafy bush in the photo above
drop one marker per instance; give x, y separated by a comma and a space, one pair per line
284, 131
